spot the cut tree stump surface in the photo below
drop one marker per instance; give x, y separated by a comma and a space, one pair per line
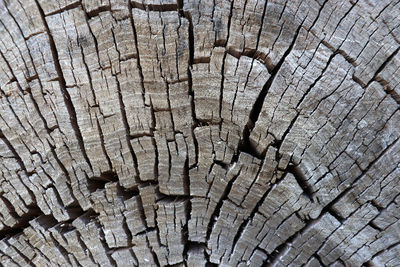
199, 133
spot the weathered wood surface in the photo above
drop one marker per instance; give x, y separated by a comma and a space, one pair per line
203, 132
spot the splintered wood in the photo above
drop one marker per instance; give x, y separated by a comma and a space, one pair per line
199, 133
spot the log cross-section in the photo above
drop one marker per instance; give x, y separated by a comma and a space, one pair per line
199, 133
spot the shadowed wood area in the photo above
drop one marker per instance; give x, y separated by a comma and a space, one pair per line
199, 133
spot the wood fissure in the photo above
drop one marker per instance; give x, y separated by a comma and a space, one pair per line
199, 133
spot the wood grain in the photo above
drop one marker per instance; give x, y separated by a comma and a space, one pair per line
199, 133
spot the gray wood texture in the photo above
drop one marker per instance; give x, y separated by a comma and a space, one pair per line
199, 133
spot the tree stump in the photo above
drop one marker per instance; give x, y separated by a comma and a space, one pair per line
199, 133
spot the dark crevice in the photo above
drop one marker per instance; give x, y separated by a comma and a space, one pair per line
185, 231
274, 257
254, 54
188, 16
99, 183
13, 79
156, 160
388, 89
104, 243
380, 80
186, 178
376, 205
87, 217
369, 263
221, 94
329, 209
127, 232
89, 73
340, 52
222, 43
137, 52
318, 258
174, 265
74, 211
257, 43
179, 4
148, 229
217, 210
127, 131
301, 180
247, 147
14, 152
153, 7
374, 226
138, 135
94, 185
142, 214
153, 253
81, 40
207, 257
62, 250
223, 67
22, 224
355, 181
381, 67
66, 8
22, 167
134, 255
258, 104
261, 57
109, 176
97, 11
202, 60
195, 123
224, 165
18, 252
249, 218
14, 44
278, 143
245, 144
103, 147
202, 123
66, 96
171, 198
316, 80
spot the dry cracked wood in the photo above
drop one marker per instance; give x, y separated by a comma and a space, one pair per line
199, 133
